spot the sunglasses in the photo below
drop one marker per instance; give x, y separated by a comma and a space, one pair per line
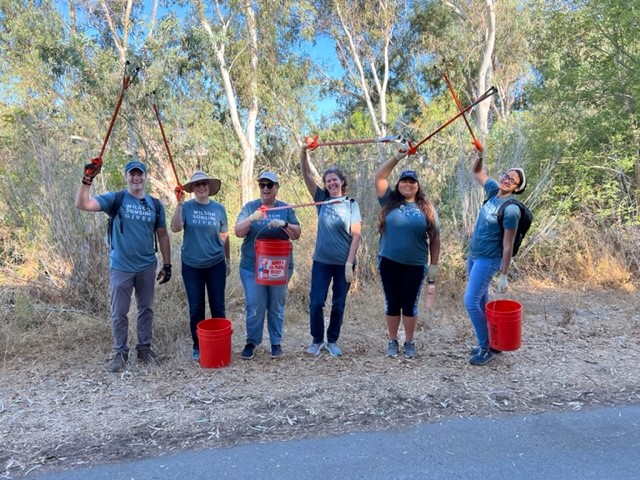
201, 183
264, 185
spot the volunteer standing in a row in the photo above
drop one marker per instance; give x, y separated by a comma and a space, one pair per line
205, 250
334, 256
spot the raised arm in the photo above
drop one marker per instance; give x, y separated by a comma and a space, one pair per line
306, 171
84, 201
478, 170
385, 170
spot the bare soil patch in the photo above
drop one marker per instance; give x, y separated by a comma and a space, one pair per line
60, 408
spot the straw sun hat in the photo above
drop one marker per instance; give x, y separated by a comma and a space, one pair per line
199, 176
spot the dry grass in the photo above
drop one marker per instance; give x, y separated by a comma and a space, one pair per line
59, 407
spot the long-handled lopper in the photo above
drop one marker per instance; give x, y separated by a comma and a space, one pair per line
314, 143
154, 105
475, 141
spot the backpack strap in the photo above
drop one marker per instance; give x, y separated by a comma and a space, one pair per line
115, 211
156, 205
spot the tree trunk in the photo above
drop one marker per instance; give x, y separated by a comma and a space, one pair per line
485, 73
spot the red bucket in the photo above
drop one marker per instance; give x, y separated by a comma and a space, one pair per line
214, 339
272, 261
505, 324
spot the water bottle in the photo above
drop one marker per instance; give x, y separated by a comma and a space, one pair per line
431, 293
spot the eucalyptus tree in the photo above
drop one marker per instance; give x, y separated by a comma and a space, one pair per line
250, 44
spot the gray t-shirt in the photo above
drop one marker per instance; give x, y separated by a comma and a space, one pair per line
334, 228
133, 236
260, 230
201, 245
404, 239
487, 236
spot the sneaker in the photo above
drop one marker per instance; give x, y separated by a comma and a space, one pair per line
195, 355
315, 348
118, 362
392, 349
476, 350
333, 349
484, 356
409, 349
247, 353
276, 351
148, 356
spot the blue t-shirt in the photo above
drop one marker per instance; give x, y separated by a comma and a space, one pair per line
404, 239
203, 223
487, 236
133, 236
260, 230
334, 228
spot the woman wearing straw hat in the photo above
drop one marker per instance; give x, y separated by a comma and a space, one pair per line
255, 219
205, 249
490, 251
409, 235
337, 241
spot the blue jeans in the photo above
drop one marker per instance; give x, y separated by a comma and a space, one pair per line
261, 299
321, 276
123, 285
480, 271
196, 280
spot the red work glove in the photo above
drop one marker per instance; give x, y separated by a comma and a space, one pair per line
179, 191
310, 143
91, 170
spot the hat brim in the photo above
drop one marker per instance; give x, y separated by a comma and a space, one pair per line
214, 186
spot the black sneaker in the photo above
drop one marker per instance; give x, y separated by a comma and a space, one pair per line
118, 362
247, 353
276, 351
147, 356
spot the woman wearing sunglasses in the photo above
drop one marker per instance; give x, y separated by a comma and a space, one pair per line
490, 251
409, 237
205, 249
334, 256
282, 224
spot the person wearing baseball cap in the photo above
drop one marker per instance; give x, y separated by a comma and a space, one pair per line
205, 250
491, 250
258, 218
136, 221
408, 251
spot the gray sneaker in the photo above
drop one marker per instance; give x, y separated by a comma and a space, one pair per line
148, 356
118, 362
315, 348
333, 349
409, 349
392, 349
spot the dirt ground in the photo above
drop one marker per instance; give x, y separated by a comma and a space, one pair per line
580, 349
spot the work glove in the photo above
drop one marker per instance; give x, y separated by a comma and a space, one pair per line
310, 143
432, 271
503, 283
402, 151
348, 272
228, 262
179, 191
91, 170
255, 216
277, 223
164, 275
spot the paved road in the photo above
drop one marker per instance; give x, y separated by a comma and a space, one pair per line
599, 444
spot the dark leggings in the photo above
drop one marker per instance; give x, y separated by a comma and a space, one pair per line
401, 284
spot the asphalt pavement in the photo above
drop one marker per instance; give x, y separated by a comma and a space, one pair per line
600, 443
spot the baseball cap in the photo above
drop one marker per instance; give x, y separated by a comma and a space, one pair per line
409, 174
135, 165
269, 176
